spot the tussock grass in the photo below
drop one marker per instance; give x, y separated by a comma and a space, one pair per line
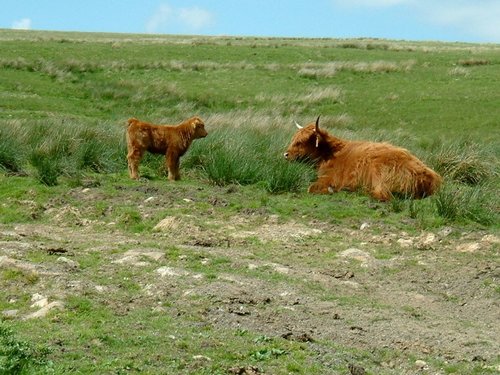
55, 148
248, 156
460, 203
467, 163
327, 70
459, 71
327, 94
11, 151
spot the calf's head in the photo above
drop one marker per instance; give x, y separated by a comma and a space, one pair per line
198, 126
305, 144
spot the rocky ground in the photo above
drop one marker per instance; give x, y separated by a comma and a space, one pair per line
426, 294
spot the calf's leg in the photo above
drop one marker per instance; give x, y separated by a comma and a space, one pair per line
133, 159
172, 162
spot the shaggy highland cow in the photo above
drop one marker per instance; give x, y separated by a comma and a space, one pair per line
171, 141
380, 169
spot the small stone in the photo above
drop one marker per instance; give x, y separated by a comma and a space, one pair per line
446, 232
37, 296
8, 314
421, 365
405, 242
45, 310
40, 303
167, 224
364, 226
168, 271
202, 357
426, 241
470, 247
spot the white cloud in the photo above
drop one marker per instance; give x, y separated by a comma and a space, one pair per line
195, 17
187, 19
478, 18
162, 16
22, 24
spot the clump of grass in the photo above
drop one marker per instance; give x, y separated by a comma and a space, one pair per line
48, 154
459, 71
11, 152
467, 163
248, 156
460, 203
55, 148
47, 165
327, 70
99, 151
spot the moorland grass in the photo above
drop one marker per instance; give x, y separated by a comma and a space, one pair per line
244, 155
66, 96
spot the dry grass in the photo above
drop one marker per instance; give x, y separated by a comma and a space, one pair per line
458, 71
327, 70
316, 95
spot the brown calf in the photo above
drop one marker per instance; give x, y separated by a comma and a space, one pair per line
171, 141
380, 169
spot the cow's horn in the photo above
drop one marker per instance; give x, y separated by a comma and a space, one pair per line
298, 125
316, 128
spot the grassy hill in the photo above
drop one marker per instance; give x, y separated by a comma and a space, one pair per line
236, 269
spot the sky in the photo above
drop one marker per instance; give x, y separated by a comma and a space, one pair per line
415, 20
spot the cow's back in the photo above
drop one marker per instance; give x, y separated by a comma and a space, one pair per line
371, 164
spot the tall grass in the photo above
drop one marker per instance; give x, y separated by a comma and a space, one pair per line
11, 152
51, 148
248, 153
466, 162
248, 156
460, 203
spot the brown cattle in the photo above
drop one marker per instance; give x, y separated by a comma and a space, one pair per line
171, 141
380, 169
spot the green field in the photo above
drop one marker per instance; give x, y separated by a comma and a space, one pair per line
236, 268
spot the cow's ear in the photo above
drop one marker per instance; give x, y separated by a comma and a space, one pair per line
318, 138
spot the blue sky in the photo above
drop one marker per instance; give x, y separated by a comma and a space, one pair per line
437, 20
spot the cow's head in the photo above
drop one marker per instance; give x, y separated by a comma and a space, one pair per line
198, 126
307, 143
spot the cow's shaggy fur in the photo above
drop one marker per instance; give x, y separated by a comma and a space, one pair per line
171, 141
380, 169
